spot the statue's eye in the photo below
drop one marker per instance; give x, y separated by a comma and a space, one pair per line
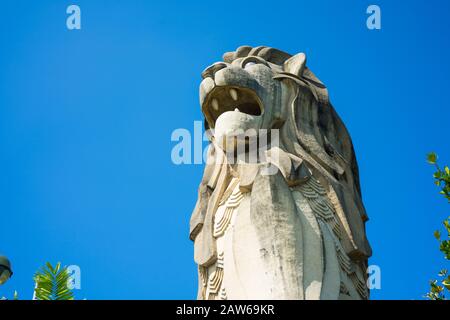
252, 60
248, 64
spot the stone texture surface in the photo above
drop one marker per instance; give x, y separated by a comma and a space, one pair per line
298, 233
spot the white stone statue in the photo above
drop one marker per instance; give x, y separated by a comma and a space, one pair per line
298, 233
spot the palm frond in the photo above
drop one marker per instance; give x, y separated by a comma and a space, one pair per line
51, 283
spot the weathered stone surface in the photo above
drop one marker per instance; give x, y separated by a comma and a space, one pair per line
296, 232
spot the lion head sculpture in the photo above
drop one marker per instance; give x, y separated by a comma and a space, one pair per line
265, 88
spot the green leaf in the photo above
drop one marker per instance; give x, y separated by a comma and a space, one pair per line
432, 158
447, 224
446, 283
447, 170
443, 273
437, 235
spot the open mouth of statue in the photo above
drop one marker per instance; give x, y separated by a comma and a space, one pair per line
237, 99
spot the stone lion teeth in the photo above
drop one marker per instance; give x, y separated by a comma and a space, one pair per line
236, 109
234, 94
215, 104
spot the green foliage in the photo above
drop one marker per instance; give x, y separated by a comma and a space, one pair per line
439, 288
432, 158
441, 176
51, 283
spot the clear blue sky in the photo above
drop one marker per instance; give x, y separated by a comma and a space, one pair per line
86, 118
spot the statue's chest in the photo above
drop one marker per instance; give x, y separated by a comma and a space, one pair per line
227, 209
215, 276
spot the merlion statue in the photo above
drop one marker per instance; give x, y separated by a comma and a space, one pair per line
297, 232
